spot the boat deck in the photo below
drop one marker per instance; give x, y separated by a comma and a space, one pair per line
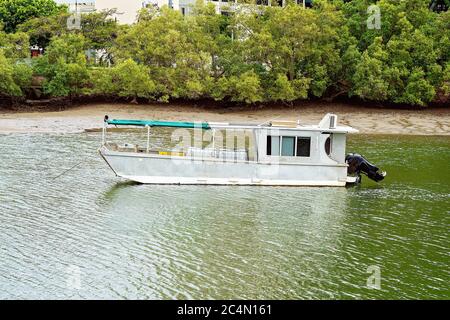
191, 152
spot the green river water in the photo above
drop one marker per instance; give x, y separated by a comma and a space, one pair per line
89, 234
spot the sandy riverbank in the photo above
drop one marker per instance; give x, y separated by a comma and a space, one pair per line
367, 120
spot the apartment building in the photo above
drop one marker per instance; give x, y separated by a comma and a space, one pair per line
224, 6
79, 6
127, 10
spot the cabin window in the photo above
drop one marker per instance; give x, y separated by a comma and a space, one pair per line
328, 146
273, 146
303, 146
288, 146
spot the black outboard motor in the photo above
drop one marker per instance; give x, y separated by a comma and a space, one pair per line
357, 164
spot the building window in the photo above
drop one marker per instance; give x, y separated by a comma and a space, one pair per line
288, 146
303, 146
183, 11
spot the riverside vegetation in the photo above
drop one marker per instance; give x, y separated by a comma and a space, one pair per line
257, 54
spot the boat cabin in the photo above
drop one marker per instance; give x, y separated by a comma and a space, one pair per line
273, 141
271, 153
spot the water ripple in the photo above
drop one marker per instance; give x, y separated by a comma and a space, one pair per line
170, 242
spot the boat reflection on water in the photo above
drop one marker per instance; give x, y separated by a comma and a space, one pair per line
206, 241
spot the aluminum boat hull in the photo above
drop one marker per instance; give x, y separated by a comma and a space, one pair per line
157, 169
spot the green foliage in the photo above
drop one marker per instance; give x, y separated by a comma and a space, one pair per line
128, 79
256, 54
368, 81
64, 66
22, 75
15, 12
63, 78
15, 45
100, 29
285, 90
42, 29
132, 80
102, 81
8, 86
245, 88
446, 81
418, 90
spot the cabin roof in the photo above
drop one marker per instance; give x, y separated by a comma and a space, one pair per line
337, 129
157, 123
325, 125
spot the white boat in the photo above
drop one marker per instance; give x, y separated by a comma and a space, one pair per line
275, 153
